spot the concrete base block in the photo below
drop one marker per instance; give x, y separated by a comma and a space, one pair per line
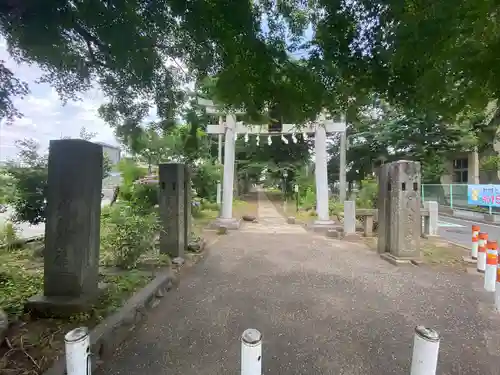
429, 236
468, 259
399, 261
230, 224
290, 220
332, 233
351, 237
322, 226
42, 306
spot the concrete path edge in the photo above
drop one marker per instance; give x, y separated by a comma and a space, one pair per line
115, 329
24, 241
492, 223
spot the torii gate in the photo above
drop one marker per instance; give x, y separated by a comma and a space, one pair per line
230, 129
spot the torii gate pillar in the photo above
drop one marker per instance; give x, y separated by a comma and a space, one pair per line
226, 215
321, 174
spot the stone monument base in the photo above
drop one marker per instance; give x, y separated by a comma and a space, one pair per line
228, 223
61, 307
322, 226
397, 261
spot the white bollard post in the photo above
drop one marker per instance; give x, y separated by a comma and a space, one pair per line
475, 243
497, 291
77, 344
490, 274
251, 352
425, 351
481, 252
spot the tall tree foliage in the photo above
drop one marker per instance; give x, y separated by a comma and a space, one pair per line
386, 133
426, 56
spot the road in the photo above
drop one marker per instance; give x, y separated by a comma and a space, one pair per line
459, 230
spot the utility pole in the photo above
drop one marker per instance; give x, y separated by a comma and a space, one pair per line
343, 162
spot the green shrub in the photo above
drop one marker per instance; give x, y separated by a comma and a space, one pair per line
336, 208
204, 180
130, 171
29, 200
7, 188
308, 198
196, 208
8, 234
16, 286
367, 196
206, 205
144, 195
126, 234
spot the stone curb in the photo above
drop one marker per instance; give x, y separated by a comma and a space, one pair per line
113, 330
479, 221
457, 244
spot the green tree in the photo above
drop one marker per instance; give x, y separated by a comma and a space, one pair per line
28, 176
388, 133
125, 46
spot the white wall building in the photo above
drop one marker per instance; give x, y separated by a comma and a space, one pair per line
112, 152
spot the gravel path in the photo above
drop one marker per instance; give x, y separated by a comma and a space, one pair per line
323, 306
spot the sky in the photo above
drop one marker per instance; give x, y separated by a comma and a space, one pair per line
45, 117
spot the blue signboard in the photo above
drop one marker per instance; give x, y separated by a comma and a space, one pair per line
483, 195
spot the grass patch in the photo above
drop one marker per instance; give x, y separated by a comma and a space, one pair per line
202, 220
289, 208
434, 252
440, 252
32, 345
246, 206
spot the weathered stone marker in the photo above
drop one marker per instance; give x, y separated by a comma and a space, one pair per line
172, 209
187, 205
383, 209
399, 215
349, 217
71, 256
431, 227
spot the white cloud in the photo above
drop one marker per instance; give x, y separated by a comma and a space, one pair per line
45, 117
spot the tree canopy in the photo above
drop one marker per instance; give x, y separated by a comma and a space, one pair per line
438, 56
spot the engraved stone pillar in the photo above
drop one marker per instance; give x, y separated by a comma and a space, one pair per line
431, 221
405, 221
349, 217
350, 221
383, 208
187, 205
172, 209
71, 256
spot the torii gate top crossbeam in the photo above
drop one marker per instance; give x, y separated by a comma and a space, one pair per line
211, 108
330, 127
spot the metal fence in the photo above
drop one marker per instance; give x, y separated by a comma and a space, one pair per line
451, 195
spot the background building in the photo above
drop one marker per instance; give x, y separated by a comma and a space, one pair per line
113, 152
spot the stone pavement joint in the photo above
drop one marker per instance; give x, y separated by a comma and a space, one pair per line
323, 307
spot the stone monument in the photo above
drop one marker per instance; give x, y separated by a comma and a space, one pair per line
71, 256
187, 205
399, 213
350, 221
172, 208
